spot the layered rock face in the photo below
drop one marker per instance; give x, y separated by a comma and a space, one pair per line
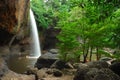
13, 18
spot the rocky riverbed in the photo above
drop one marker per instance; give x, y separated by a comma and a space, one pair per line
55, 69
49, 67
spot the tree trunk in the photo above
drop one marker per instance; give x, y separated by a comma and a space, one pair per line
98, 55
84, 58
91, 53
85, 51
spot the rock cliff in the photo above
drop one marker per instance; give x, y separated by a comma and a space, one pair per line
13, 18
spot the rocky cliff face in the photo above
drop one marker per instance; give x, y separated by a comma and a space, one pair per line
13, 18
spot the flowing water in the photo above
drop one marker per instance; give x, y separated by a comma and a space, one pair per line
20, 64
36, 45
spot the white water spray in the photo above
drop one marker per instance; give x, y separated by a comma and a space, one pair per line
36, 51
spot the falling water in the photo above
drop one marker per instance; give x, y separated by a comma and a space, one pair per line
20, 64
36, 52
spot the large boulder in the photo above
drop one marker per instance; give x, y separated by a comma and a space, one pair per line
46, 60
107, 59
97, 70
91, 74
60, 64
81, 72
115, 67
106, 74
98, 64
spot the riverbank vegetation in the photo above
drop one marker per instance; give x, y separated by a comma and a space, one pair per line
88, 27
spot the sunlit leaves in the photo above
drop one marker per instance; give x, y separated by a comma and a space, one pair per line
84, 24
39, 11
89, 22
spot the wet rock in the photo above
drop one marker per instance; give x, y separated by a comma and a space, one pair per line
41, 73
46, 60
54, 51
81, 72
98, 64
32, 71
57, 73
115, 67
44, 63
49, 71
69, 65
91, 74
107, 59
94, 72
115, 61
59, 64
49, 55
106, 74
77, 65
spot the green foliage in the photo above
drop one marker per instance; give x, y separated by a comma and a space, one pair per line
87, 26
116, 32
39, 11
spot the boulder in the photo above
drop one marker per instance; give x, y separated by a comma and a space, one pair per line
107, 59
77, 65
41, 73
81, 72
106, 74
98, 64
54, 51
60, 64
46, 60
31, 71
94, 71
57, 73
91, 74
115, 67
49, 71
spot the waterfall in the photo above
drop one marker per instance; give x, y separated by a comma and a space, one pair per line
36, 51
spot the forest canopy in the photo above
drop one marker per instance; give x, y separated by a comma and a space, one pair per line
88, 27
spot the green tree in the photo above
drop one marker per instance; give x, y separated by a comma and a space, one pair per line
87, 26
91, 25
39, 10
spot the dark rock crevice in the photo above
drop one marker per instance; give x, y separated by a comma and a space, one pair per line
5, 37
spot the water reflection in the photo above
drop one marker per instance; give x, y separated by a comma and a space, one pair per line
20, 64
